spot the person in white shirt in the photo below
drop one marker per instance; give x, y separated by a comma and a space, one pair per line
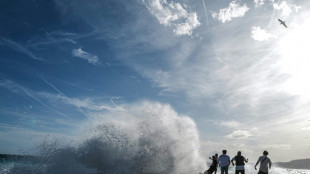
239, 163
264, 163
224, 161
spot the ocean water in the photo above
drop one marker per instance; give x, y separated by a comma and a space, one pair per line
28, 168
274, 170
152, 139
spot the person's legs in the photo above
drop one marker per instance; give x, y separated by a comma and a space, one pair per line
222, 170
226, 169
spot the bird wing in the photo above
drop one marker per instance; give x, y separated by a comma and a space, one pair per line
284, 25
280, 20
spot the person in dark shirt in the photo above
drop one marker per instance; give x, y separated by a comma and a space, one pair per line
216, 157
212, 167
239, 163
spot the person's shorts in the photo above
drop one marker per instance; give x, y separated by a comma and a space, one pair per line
260, 172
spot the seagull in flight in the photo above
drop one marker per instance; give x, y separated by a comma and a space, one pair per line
282, 23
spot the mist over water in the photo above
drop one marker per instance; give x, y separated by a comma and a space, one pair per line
249, 169
149, 138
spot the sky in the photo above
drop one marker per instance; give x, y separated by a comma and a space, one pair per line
228, 65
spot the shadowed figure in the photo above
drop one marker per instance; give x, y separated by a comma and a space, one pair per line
213, 166
264, 163
224, 161
239, 163
216, 157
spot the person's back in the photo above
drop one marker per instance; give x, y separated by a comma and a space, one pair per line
240, 162
224, 161
264, 163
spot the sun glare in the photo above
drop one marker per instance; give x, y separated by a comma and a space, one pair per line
293, 48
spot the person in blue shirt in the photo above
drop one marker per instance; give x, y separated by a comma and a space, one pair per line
224, 162
239, 163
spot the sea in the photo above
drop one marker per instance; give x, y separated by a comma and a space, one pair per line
151, 140
32, 168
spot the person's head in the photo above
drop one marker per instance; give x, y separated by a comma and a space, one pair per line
265, 153
239, 153
224, 151
216, 155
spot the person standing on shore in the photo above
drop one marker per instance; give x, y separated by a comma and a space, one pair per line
224, 161
264, 163
216, 157
239, 163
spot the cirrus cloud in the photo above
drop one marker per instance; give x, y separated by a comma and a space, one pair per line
92, 59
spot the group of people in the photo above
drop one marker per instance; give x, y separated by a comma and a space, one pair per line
224, 161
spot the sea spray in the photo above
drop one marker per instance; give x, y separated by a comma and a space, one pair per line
146, 138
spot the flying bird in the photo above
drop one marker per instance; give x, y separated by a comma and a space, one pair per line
282, 23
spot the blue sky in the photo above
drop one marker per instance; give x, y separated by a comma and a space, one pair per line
229, 66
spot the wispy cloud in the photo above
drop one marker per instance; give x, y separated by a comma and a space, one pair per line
230, 124
71, 41
16, 88
21, 90
58, 37
234, 10
62, 33
261, 34
92, 59
62, 94
85, 103
206, 11
48, 99
276, 146
173, 14
20, 48
239, 134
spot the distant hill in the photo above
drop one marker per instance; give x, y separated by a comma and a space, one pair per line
295, 164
